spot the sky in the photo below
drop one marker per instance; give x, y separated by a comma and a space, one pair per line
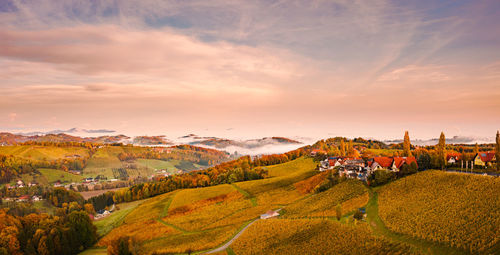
252, 68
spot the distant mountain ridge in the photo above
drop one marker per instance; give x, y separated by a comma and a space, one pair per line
452, 140
251, 146
68, 131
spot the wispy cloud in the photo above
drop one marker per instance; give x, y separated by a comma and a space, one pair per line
215, 64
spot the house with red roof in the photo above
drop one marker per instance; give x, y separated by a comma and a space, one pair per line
485, 159
401, 161
390, 163
317, 151
379, 163
452, 158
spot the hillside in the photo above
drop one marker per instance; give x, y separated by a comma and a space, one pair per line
201, 219
456, 209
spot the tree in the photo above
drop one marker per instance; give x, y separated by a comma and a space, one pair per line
406, 145
497, 150
476, 149
124, 245
441, 151
82, 231
358, 215
424, 161
342, 148
338, 211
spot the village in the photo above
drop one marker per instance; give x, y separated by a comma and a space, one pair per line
359, 168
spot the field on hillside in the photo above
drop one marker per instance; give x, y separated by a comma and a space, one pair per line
53, 175
350, 194
202, 218
456, 209
103, 161
48, 153
312, 236
47, 176
106, 159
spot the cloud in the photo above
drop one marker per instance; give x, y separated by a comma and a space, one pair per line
12, 117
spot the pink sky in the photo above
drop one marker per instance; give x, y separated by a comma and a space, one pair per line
314, 69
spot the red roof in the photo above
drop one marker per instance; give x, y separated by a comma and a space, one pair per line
318, 151
454, 155
409, 160
400, 161
486, 156
385, 162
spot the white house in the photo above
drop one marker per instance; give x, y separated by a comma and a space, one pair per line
269, 214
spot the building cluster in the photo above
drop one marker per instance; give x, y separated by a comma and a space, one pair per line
361, 169
24, 198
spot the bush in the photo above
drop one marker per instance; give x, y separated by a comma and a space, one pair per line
358, 215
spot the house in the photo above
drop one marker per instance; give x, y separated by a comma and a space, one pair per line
379, 163
36, 198
24, 198
484, 159
269, 214
355, 161
400, 161
452, 158
316, 152
19, 184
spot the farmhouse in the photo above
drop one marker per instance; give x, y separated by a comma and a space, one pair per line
400, 161
316, 152
379, 163
269, 214
484, 159
452, 158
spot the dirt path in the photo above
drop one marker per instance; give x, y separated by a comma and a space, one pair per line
379, 228
223, 247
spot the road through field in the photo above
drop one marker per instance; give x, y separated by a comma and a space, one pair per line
223, 247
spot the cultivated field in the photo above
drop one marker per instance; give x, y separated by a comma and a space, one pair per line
313, 236
456, 209
47, 153
350, 195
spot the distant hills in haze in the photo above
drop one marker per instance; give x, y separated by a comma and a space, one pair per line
264, 145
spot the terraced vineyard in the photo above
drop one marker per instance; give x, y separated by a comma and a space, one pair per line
201, 219
350, 195
314, 236
459, 210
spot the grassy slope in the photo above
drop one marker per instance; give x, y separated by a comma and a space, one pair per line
53, 175
103, 161
107, 224
43, 152
223, 218
247, 201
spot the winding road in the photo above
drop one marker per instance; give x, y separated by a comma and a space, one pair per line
223, 247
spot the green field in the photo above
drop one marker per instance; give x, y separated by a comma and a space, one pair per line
114, 220
53, 175
103, 161
106, 159
172, 166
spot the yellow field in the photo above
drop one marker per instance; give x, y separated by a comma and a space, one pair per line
456, 209
299, 165
312, 236
351, 194
202, 218
190, 196
47, 153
